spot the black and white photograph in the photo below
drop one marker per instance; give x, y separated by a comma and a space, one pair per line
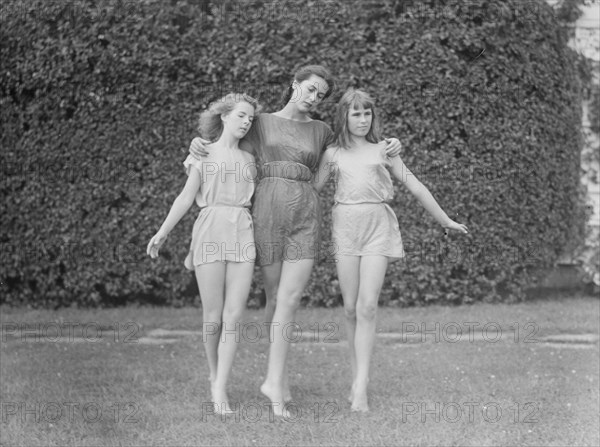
300, 223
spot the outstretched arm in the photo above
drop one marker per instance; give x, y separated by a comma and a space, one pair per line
180, 206
420, 191
326, 168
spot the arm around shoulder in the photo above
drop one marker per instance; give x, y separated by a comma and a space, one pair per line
327, 166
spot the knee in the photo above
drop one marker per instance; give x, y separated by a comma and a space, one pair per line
211, 323
367, 312
289, 298
271, 294
350, 312
232, 316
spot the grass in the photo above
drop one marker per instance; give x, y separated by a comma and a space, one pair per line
108, 390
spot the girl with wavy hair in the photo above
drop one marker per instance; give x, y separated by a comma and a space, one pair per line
222, 251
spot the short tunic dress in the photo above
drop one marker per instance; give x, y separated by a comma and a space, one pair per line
286, 209
363, 222
223, 230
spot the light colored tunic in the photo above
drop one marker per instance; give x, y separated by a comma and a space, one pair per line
223, 230
363, 222
286, 210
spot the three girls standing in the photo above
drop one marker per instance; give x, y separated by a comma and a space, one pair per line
288, 146
286, 212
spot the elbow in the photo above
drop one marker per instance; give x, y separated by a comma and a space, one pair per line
185, 200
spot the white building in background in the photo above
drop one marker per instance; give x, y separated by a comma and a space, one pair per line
585, 39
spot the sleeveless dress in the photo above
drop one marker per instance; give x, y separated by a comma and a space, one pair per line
286, 208
363, 222
223, 230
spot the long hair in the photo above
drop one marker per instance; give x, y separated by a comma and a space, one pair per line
306, 72
210, 124
353, 99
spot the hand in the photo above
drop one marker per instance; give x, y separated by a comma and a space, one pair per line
456, 227
155, 243
393, 148
198, 147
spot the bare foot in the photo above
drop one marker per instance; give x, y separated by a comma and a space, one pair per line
287, 395
360, 403
276, 398
220, 400
351, 395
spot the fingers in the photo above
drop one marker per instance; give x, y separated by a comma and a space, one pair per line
149, 247
154, 246
198, 147
457, 227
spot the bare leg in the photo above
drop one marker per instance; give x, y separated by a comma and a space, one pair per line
271, 277
238, 278
348, 270
211, 284
372, 274
294, 277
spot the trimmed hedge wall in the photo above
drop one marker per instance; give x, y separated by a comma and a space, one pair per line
100, 100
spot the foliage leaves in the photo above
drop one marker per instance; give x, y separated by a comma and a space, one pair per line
99, 101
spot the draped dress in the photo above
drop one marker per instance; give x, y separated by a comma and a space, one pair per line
286, 209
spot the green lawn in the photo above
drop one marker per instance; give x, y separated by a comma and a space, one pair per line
112, 379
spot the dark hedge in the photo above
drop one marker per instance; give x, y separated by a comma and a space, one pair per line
100, 100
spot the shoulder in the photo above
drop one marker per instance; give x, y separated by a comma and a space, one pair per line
192, 162
258, 120
330, 152
247, 156
322, 126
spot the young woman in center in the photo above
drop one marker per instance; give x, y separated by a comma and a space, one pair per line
365, 229
286, 212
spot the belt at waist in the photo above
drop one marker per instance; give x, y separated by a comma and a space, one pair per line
362, 203
289, 170
225, 206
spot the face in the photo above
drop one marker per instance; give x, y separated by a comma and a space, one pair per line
309, 93
238, 121
359, 121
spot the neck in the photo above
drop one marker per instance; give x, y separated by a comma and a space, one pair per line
356, 141
228, 141
290, 111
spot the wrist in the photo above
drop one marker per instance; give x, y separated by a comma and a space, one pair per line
446, 221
